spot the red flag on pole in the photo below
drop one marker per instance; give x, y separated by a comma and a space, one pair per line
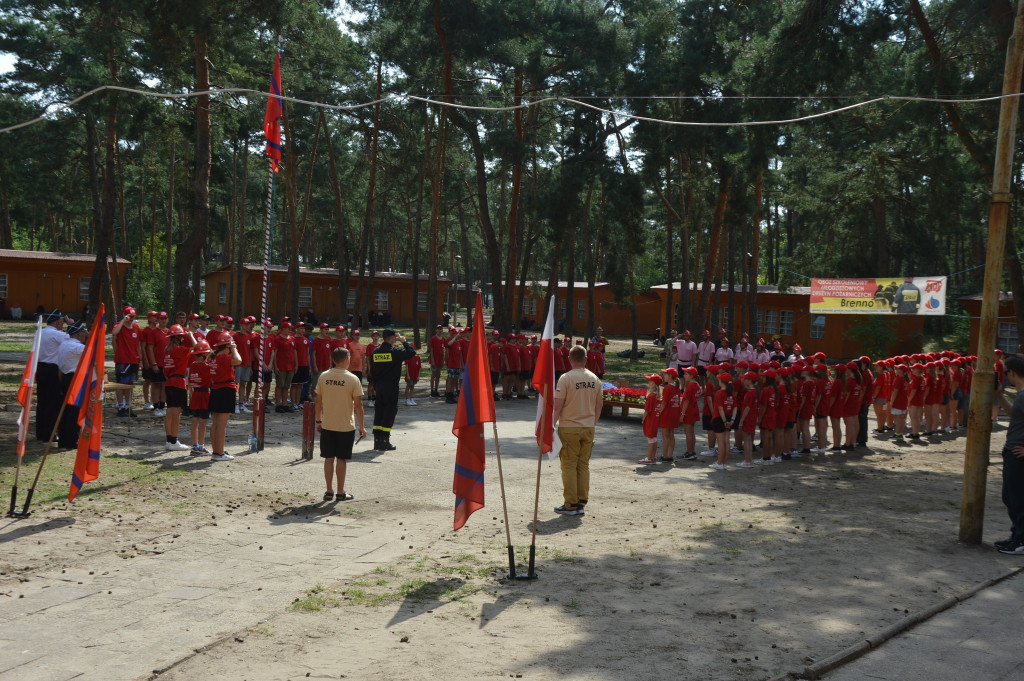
89, 395
544, 382
271, 119
475, 408
28, 381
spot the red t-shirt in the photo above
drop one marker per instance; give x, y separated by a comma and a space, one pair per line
651, 421
592, 361
867, 382
750, 404
285, 359
806, 390
213, 336
175, 365
919, 386
412, 368
435, 347
301, 345
126, 344
199, 379
453, 355
935, 388
243, 343
559, 359
853, 400
783, 406
671, 405
511, 359
724, 402
159, 339
223, 372
340, 342
899, 393
357, 355
494, 355
322, 352
691, 395
768, 400
823, 387
525, 363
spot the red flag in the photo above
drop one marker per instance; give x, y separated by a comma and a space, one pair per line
90, 417
544, 382
28, 381
475, 408
271, 119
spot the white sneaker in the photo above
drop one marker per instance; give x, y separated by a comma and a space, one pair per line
744, 464
818, 450
147, 405
412, 402
776, 459
160, 412
709, 452
408, 402
736, 450
763, 462
222, 457
244, 410
176, 446
718, 466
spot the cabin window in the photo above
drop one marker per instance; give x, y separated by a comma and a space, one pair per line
382, 300
771, 321
529, 306
760, 322
786, 323
83, 289
222, 293
561, 308
818, 326
1007, 338
3, 286
581, 309
421, 302
306, 297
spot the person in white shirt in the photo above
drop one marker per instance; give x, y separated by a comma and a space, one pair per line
49, 394
68, 356
761, 354
724, 352
686, 350
744, 351
705, 352
796, 355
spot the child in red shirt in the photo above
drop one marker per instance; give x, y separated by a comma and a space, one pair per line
671, 412
412, 375
652, 407
748, 419
690, 410
199, 380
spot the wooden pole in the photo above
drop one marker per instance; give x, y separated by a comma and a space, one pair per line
979, 424
504, 507
46, 451
531, 574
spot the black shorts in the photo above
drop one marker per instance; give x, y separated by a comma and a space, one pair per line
201, 414
495, 377
126, 373
147, 374
359, 375
176, 397
336, 444
222, 401
268, 376
301, 376
790, 424
705, 422
718, 425
524, 375
157, 376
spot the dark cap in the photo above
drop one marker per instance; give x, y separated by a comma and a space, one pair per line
76, 328
387, 333
53, 316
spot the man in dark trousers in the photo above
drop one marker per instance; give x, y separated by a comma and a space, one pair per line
48, 392
386, 370
68, 357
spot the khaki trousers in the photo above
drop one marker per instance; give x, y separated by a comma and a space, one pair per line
577, 444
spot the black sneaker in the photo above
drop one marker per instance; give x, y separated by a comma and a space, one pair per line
787, 456
569, 511
690, 456
1015, 548
122, 412
1003, 543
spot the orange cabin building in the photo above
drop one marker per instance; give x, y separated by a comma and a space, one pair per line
318, 289
613, 317
1007, 334
31, 280
785, 316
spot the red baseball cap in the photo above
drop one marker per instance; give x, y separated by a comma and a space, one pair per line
671, 372
194, 315
724, 377
162, 315
128, 309
229, 319
356, 332
691, 370
654, 378
286, 325
152, 313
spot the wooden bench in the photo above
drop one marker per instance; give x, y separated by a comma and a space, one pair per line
609, 405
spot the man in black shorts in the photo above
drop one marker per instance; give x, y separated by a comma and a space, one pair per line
339, 409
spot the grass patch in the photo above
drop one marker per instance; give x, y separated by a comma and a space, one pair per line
316, 599
262, 630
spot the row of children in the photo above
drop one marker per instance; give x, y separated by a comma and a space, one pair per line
786, 399
511, 358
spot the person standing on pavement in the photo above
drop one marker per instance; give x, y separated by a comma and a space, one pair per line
126, 336
577, 408
686, 350
48, 375
386, 370
339, 411
1013, 459
68, 355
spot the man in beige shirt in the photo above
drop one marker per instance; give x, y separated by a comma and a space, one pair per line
578, 402
338, 410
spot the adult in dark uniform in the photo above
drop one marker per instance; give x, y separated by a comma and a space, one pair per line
68, 357
48, 375
386, 370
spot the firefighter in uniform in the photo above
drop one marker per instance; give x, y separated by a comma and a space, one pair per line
48, 392
386, 370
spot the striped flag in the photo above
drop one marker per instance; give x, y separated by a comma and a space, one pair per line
475, 408
271, 119
25, 390
544, 382
86, 392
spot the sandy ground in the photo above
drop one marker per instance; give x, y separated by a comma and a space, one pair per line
674, 572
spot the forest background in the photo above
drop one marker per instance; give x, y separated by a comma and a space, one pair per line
552, 190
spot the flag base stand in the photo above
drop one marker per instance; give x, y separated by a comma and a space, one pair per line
18, 514
524, 577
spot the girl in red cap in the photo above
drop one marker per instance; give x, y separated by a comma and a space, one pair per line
822, 405
932, 399
853, 393
916, 395
722, 419
767, 403
175, 363
898, 401
652, 405
668, 419
836, 411
199, 379
748, 419
690, 411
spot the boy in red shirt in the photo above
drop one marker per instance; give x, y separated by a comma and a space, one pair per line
199, 381
494, 361
453, 360
302, 345
435, 357
283, 361
147, 370
412, 376
509, 366
243, 372
126, 336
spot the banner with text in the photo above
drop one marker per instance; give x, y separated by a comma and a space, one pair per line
904, 295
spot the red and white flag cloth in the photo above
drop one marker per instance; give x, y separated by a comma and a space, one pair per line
544, 382
27, 387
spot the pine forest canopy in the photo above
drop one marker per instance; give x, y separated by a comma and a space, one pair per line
556, 191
